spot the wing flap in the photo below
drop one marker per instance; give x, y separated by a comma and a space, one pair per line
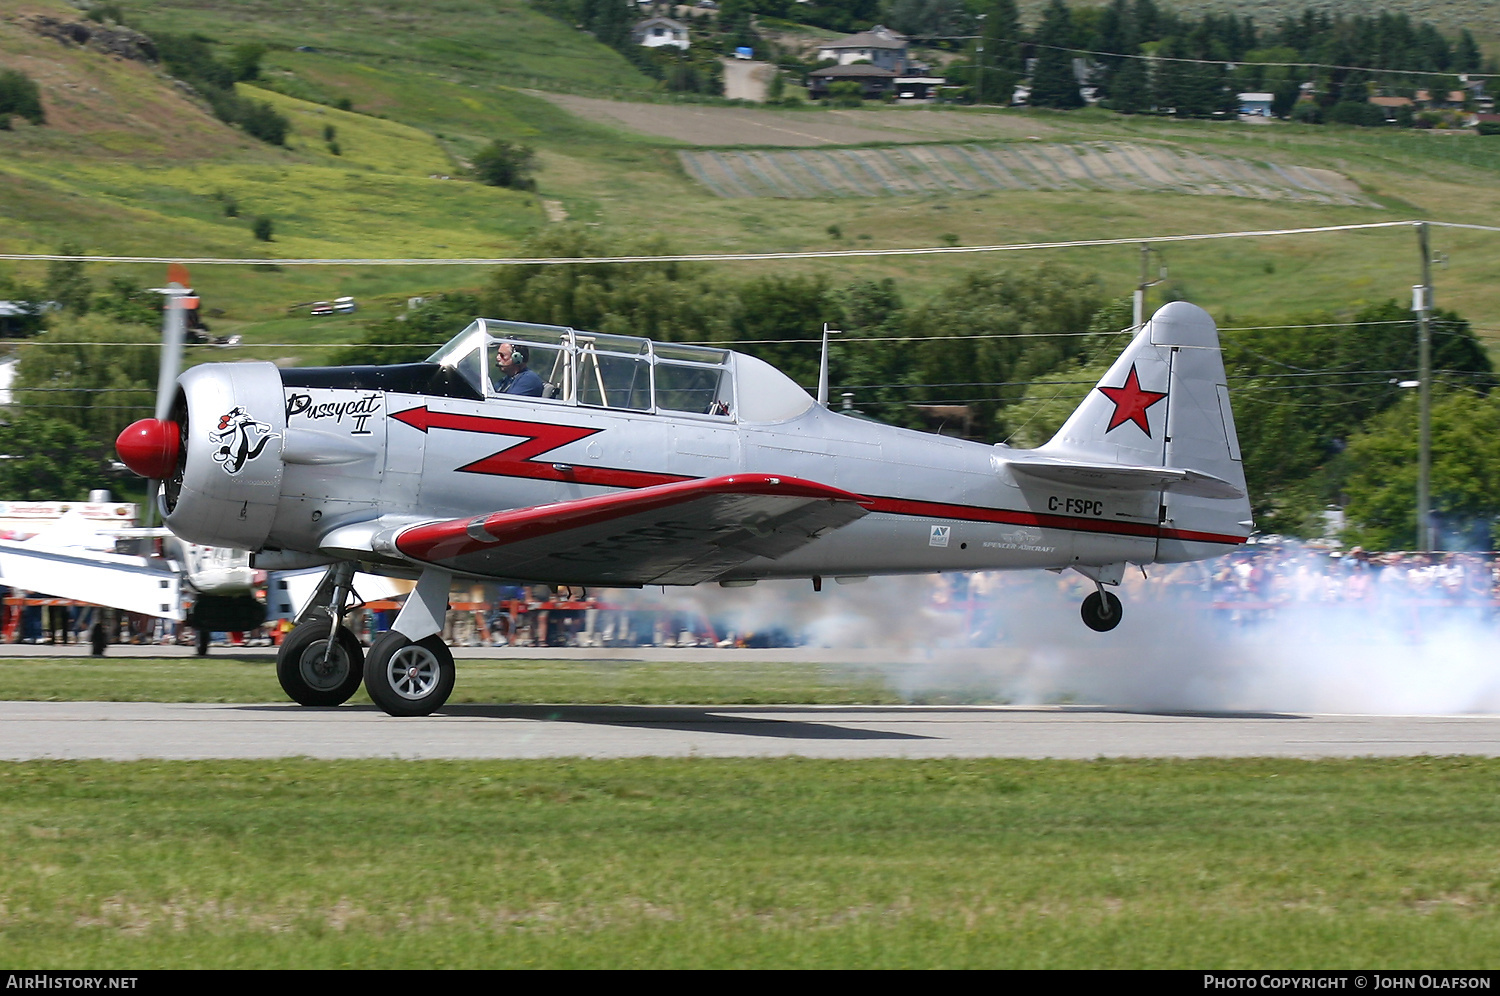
1125, 477
679, 533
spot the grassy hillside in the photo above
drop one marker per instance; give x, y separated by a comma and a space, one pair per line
130, 164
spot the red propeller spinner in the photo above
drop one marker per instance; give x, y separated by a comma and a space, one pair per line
150, 447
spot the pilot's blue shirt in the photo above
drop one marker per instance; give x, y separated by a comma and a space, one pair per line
526, 382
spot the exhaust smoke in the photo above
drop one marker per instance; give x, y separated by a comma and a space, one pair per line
1292, 631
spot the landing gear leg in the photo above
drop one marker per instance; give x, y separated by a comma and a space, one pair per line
410, 670
320, 662
1102, 611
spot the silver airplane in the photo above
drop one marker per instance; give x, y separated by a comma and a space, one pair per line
662, 463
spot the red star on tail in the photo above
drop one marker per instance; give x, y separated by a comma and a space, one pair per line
1131, 403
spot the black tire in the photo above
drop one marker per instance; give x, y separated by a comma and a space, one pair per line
1102, 611
203, 637
310, 675
409, 679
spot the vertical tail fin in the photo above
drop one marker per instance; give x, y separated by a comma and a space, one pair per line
1165, 403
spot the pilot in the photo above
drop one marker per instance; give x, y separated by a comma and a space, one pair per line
518, 379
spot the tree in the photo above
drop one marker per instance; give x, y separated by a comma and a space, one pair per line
263, 229
76, 387
91, 371
413, 335
19, 96
1052, 82
244, 61
663, 301
44, 459
261, 120
67, 285
506, 164
1342, 375
1045, 299
846, 93
997, 58
1382, 484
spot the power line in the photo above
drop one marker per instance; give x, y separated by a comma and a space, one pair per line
851, 339
736, 257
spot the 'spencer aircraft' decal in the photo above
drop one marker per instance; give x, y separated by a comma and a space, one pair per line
1131, 402
537, 438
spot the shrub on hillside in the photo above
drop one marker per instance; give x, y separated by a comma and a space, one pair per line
19, 96
190, 59
506, 164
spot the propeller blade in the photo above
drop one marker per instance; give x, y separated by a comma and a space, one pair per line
174, 324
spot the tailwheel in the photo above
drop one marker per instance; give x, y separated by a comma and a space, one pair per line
310, 673
409, 679
1102, 611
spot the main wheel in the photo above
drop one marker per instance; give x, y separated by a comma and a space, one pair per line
1102, 611
310, 674
409, 679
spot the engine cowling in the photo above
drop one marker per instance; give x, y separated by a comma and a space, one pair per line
228, 425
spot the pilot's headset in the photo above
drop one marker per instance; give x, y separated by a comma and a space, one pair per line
520, 353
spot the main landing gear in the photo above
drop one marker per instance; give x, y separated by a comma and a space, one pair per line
409, 671
320, 662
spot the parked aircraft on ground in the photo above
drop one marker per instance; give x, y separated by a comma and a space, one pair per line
663, 463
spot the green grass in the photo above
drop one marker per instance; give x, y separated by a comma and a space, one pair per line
225, 677
444, 39
751, 863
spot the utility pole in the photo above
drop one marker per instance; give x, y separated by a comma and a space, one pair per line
1422, 305
979, 64
1138, 312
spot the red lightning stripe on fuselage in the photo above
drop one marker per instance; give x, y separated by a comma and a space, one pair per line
537, 438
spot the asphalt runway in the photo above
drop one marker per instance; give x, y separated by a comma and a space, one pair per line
185, 731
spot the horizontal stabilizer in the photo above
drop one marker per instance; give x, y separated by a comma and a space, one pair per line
1117, 477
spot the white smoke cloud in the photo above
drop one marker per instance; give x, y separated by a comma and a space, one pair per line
1020, 640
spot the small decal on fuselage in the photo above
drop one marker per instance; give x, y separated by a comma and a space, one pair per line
939, 535
358, 410
1029, 540
236, 435
1075, 506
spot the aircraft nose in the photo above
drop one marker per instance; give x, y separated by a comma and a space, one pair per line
150, 447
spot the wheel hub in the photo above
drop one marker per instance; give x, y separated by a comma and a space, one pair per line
414, 673
321, 669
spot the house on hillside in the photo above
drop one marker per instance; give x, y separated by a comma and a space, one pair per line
874, 81
880, 47
655, 32
1391, 106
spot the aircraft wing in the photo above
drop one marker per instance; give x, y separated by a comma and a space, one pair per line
136, 584
678, 533
1125, 477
